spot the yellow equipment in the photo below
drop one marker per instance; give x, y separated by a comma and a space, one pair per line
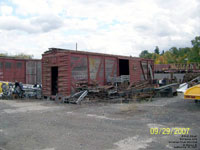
1, 82
193, 93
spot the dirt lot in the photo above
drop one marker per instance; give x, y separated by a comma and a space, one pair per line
45, 125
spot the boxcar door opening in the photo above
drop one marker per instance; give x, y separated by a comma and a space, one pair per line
54, 80
123, 67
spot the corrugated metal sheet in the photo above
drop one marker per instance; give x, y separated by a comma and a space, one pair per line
33, 72
39, 72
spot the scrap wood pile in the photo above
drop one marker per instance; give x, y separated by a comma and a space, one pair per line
18, 90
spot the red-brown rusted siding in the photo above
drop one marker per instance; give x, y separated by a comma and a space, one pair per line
61, 60
75, 66
12, 69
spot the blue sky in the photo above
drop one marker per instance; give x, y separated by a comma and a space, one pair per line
124, 27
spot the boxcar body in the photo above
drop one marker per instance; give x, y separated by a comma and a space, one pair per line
27, 71
62, 69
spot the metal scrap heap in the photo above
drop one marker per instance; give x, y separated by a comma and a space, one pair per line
18, 90
118, 89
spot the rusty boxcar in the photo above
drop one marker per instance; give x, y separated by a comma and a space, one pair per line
22, 70
62, 69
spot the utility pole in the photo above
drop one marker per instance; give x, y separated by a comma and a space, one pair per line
76, 46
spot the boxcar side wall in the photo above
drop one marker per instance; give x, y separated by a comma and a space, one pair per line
141, 70
74, 67
12, 70
135, 70
21, 70
61, 61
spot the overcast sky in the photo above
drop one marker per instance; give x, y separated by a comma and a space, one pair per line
124, 27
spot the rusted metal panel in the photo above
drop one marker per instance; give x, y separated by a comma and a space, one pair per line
161, 67
139, 69
135, 70
19, 71
33, 72
79, 69
46, 77
110, 68
1, 70
144, 67
12, 70
96, 67
60, 60
39, 72
63, 74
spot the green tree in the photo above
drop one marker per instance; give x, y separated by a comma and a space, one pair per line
162, 52
175, 55
3, 54
145, 54
157, 51
194, 55
20, 55
196, 42
174, 51
23, 56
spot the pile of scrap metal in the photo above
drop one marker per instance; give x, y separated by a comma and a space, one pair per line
169, 90
154, 89
18, 90
190, 76
138, 90
184, 86
118, 90
73, 99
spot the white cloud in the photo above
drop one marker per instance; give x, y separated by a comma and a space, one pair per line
6, 10
123, 27
34, 25
29, 7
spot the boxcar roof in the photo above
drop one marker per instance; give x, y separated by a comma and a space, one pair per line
57, 50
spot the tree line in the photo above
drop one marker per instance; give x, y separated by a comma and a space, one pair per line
20, 56
175, 55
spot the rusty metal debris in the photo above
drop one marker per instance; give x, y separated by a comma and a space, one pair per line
169, 90
18, 90
73, 99
138, 90
117, 89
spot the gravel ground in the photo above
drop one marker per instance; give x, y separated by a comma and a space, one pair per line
46, 125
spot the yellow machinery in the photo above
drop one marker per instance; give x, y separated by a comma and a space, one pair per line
193, 93
1, 82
